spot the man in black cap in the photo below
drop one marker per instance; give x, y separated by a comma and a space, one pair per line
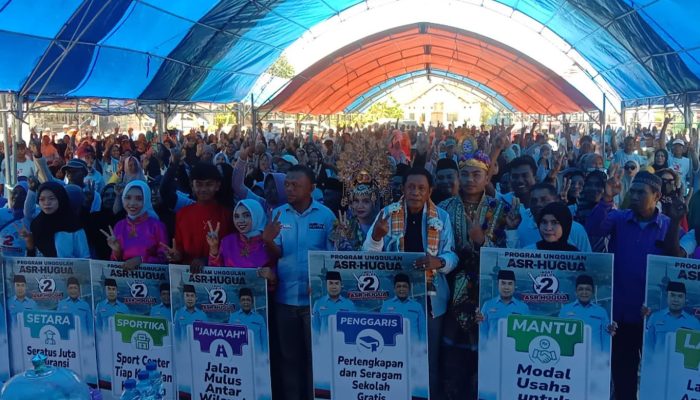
75, 305
499, 307
591, 314
446, 180
110, 306
163, 309
20, 302
189, 312
668, 320
249, 318
408, 308
329, 304
634, 233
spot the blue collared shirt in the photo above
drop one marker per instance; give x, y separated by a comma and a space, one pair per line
410, 310
326, 306
660, 324
631, 244
310, 230
16, 306
161, 311
446, 251
80, 308
184, 317
495, 309
594, 316
255, 323
105, 309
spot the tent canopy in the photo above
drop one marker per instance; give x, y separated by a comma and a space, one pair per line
332, 84
216, 50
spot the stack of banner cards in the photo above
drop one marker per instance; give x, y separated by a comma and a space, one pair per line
220, 327
546, 325
369, 333
4, 350
671, 352
132, 323
49, 302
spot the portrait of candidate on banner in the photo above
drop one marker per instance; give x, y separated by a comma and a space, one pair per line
368, 325
544, 324
671, 351
221, 333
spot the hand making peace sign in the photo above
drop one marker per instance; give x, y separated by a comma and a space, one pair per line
273, 229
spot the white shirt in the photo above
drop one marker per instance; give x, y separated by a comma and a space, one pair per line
25, 168
681, 166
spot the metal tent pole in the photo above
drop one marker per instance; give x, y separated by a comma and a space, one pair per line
17, 134
6, 134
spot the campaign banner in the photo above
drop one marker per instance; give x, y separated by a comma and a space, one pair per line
368, 325
132, 323
4, 349
221, 337
49, 303
544, 324
671, 352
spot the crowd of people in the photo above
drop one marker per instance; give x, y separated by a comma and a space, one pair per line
264, 198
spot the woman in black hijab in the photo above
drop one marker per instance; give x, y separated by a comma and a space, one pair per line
660, 159
56, 231
554, 223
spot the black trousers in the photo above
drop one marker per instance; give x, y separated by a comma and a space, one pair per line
459, 372
626, 352
294, 336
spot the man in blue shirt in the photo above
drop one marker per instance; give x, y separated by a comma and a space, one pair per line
499, 307
408, 308
252, 320
163, 309
668, 320
20, 302
299, 226
591, 314
110, 306
189, 313
75, 305
329, 304
634, 234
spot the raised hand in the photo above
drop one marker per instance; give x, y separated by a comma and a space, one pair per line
613, 186
112, 241
564, 192
273, 229
213, 238
513, 217
25, 235
33, 183
89, 192
476, 233
381, 227
171, 253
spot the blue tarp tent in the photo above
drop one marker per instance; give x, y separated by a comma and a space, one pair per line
215, 50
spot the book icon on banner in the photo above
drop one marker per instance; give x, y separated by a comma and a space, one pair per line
371, 341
